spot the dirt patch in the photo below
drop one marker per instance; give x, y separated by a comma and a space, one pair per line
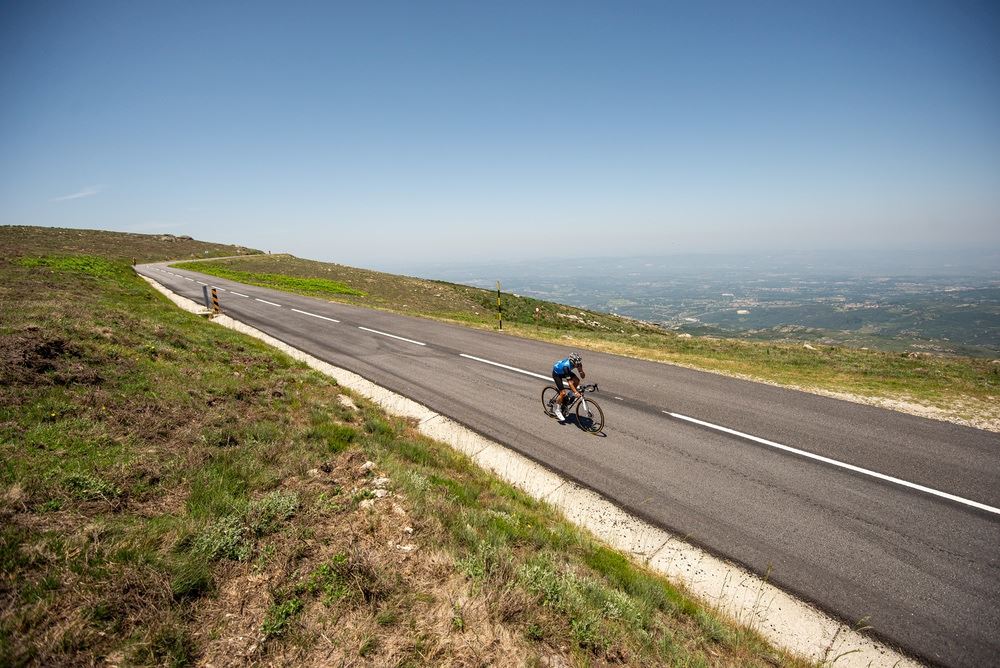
27, 356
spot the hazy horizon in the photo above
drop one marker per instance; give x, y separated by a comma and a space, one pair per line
978, 261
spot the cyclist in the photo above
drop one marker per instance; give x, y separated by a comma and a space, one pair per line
563, 370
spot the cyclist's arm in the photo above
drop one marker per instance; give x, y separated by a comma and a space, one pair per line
583, 374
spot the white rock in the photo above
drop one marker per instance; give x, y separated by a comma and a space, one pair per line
366, 467
345, 400
367, 503
380, 493
381, 482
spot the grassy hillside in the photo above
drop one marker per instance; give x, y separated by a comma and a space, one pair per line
174, 493
17, 240
956, 388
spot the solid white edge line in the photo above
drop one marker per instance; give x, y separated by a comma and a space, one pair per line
240, 294
504, 366
375, 331
264, 301
844, 465
314, 315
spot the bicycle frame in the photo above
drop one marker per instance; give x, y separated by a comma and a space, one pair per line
580, 396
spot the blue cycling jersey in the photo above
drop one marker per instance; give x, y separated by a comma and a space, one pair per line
563, 368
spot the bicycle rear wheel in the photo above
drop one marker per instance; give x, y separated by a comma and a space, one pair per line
591, 417
548, 394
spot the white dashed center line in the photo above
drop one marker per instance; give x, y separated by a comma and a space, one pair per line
240, 294
264, 301
393, 336
322, 317
843, 465
201, 283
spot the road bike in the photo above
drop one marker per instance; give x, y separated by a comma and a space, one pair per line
589, 415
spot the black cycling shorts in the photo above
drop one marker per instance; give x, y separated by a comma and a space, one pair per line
559, 380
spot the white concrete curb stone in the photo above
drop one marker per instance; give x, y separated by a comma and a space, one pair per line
784, 620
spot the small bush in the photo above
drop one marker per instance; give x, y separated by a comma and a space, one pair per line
235, 536
279, 617
226, 538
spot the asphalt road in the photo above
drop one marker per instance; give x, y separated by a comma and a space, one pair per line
922, 569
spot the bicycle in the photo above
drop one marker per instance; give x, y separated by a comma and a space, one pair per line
589, 415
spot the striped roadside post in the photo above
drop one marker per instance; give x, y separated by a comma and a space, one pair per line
499, 310
215, 302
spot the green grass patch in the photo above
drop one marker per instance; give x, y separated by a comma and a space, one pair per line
235, 535
93, 266
317, 287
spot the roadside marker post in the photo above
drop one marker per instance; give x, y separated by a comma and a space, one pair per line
499, 310
204, 291
215, 302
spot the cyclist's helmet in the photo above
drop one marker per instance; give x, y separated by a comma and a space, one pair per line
575, 359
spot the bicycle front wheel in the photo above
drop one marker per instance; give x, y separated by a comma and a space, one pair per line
590, 417
548, 394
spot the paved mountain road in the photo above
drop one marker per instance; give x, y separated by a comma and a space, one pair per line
923, 570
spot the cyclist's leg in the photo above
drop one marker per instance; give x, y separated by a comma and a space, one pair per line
555, 406
557, 379
574, 384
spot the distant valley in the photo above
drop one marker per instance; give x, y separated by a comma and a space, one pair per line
947, 303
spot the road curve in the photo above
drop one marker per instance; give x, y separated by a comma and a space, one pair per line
880, 518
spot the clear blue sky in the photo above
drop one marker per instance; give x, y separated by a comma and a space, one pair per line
372, 133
